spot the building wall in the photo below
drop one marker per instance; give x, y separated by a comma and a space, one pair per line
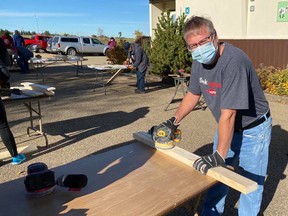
233, 19
155, 11
229, 17
251, 25
264, 52
263, 21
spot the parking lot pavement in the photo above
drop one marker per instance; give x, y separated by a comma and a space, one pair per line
79, 121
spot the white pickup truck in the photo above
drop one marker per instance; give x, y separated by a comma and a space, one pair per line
72, 45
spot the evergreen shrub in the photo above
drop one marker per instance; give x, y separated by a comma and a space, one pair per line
168, 53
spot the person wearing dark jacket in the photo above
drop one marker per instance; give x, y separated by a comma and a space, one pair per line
139, 62
22, 56
18, 39
5, 132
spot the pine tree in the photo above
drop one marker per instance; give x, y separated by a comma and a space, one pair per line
168, 52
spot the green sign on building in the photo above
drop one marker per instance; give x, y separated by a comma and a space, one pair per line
282, 13
187, 10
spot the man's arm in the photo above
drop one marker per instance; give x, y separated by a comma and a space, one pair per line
187, 105
164, 133
225, 130
225, 134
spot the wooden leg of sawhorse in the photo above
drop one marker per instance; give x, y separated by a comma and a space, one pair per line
39, 115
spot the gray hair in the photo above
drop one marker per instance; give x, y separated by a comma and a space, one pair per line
195, 23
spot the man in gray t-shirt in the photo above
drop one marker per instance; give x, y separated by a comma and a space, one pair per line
232, 83
225, 77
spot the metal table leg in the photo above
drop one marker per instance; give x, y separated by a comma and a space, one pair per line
39, 116
177, 81
99, 80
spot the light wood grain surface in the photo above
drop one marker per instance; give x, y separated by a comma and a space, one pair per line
222, 174
129, 180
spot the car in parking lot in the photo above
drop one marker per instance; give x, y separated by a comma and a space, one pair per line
73, 45
37, 42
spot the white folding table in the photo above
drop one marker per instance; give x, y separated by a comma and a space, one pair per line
100, 72
28, 97
39, 63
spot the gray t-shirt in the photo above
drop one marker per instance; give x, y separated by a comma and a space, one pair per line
231, 83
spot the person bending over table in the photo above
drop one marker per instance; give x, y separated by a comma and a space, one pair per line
23, 56
139, 62
226, 78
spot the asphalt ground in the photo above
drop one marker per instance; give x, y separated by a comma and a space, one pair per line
79, 121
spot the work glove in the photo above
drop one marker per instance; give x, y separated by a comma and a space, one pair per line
169, 127
204, 163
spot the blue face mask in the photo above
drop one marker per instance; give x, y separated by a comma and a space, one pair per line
205, 54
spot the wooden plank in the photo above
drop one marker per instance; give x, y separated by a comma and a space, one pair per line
114, 76
226, 176
38, 87
47, 90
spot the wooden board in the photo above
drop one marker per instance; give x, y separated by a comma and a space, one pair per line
47, 90
127, 181
114, 76
228, 177
38, 87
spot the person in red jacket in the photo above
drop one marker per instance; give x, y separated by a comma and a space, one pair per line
112, 43
8, 40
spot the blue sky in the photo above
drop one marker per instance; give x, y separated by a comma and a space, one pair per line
81, 17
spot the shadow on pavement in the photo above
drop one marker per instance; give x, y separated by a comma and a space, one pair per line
103, 169
77, 129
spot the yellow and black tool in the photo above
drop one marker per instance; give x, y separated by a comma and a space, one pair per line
164, 139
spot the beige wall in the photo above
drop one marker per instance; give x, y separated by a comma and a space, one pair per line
228, 16
155, 12
263, 21
232, 18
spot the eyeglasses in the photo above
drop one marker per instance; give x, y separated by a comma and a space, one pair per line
192, 47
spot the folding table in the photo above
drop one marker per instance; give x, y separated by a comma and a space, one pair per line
99, 74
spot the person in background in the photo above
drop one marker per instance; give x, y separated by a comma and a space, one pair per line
18, 39
5, 132
112, 43
139, 62
225, 77
22, 56
9, 42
